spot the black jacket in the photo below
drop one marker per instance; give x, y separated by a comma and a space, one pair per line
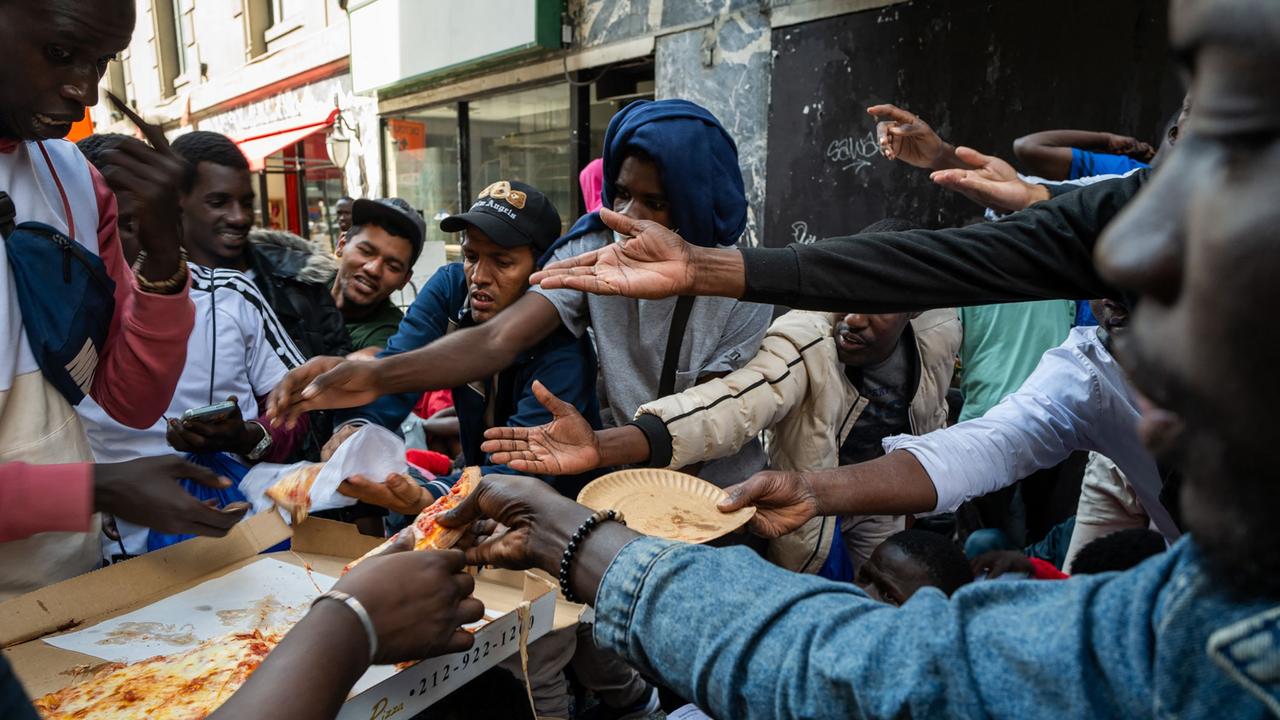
300, 298
1044, 252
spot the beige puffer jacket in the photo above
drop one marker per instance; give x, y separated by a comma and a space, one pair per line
796, 392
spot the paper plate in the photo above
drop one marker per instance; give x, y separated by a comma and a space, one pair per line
665, 503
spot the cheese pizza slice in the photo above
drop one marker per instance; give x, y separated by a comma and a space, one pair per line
186, 686
293, 491
427, 533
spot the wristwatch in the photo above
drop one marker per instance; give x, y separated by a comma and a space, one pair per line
263, 445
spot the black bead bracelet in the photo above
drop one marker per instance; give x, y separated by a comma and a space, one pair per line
583, 530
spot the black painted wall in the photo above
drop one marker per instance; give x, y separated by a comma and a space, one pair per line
981, 73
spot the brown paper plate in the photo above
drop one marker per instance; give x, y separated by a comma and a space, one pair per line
665, 503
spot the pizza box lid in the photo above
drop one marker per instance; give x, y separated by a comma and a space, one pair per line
325, 546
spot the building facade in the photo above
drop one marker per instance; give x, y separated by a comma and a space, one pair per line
432, 100
274, 75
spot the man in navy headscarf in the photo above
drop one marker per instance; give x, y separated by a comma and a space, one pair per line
670, 162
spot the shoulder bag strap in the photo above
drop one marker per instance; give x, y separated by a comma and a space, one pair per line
675, 338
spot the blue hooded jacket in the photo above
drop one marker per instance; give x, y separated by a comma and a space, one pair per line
698, 164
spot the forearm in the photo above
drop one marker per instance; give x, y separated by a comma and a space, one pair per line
326, 652
721, 627
717, 271
594, 554
894, 484
626, 445
1083, 139
44, 498
1043, 253
472, 353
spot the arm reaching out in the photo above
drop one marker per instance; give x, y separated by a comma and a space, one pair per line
904, 136
1048, 153
653, 262
565, 446
992, 183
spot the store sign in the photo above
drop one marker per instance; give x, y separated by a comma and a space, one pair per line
407, 134
397, 41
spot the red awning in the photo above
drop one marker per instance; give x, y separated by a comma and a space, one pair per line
268, 140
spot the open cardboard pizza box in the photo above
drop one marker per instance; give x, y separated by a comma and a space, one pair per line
141, 608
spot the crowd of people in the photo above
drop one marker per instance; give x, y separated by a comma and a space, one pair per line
1019, 468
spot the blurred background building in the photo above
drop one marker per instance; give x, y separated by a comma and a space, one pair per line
432, 100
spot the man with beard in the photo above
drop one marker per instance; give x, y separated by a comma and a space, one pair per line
217, 213
1189, 633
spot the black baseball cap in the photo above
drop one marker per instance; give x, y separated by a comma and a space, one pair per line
394, 215
512, 214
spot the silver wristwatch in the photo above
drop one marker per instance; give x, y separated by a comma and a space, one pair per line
263, 445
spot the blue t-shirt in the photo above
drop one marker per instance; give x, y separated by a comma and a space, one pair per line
1088, 164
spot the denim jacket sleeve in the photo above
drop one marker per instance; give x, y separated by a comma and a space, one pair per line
426, 321
745, 639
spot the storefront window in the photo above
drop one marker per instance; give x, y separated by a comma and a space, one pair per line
422, 163
524, 136
323, 187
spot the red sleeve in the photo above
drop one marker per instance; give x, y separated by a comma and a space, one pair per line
44, 498
147, 344
283, 442
1044, 570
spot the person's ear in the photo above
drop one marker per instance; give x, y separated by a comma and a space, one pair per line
407, 275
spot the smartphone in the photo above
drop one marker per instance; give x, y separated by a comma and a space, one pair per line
210, 413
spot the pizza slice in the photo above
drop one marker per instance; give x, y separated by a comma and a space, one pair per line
166, 687
427, 533
293, 491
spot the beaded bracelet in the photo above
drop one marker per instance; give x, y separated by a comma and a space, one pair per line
578, 535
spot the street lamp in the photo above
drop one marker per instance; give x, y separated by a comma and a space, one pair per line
338, 144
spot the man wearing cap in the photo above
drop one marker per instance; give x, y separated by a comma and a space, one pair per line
375, 259
509, 226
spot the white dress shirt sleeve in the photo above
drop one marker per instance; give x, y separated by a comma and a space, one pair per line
1052, 415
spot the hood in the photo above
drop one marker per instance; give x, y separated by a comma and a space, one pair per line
698, 163
295, 256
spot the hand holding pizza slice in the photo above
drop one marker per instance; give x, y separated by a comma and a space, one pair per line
427, 533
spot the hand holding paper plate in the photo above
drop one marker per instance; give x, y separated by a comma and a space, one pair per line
665, 503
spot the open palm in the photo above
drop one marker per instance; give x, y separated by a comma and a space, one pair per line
994, 183
565, 446
652, 263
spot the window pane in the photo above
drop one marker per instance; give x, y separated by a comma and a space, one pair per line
524, 136
422, 163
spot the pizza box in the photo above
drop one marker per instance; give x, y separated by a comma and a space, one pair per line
69, 613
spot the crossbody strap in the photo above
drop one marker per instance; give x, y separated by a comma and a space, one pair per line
675, 338
66, 205
8, 214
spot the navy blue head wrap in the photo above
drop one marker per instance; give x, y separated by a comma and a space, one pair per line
698, 164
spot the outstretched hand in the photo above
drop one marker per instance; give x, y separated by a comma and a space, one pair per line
904, 136
323, 383
994, 184
652, 262
783, 500
565, 446
538, 522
